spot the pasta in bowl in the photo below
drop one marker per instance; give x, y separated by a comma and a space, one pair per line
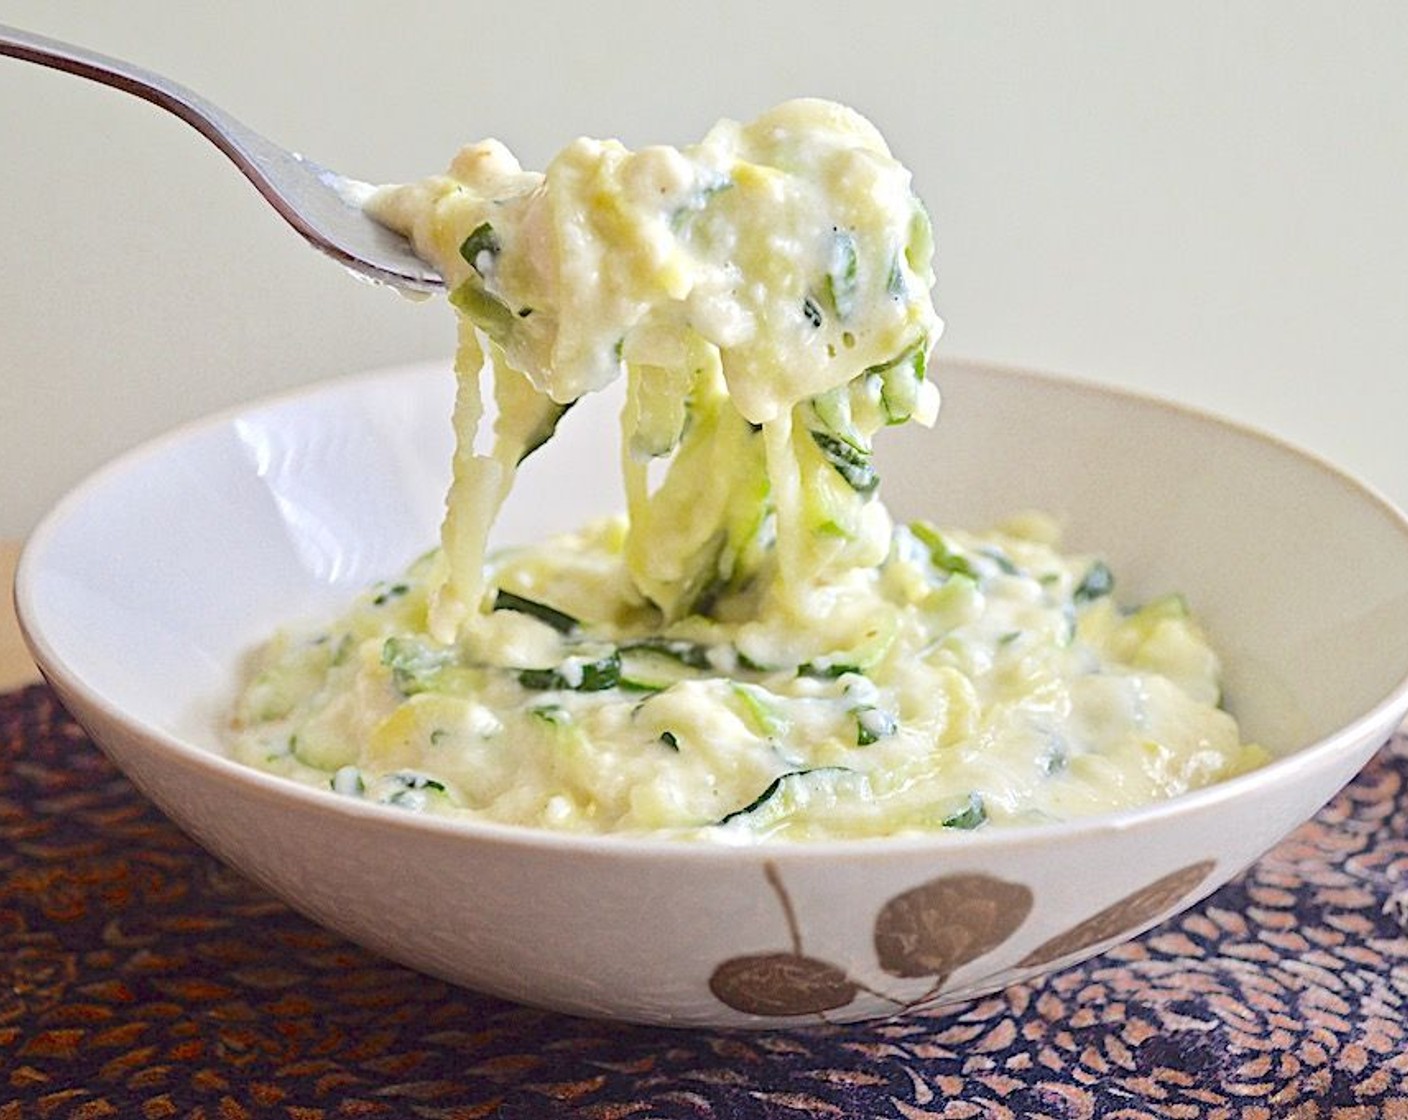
754, 649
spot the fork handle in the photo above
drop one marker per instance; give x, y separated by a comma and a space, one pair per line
240, 143
323, 206
261, 161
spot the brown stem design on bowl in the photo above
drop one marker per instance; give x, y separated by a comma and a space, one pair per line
785, 982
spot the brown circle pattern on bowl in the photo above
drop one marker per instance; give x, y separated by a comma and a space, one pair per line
1123, 917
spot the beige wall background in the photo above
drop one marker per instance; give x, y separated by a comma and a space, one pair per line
1204, 200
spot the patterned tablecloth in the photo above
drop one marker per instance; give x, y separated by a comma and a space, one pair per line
141, 978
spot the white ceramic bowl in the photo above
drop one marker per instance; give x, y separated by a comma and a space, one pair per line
142, 592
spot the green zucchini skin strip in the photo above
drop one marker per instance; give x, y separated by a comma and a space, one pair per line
770, 791
1096, 583
852, 465
482, 239
692, 654
560, 621
971, 816
547, 429
596, 676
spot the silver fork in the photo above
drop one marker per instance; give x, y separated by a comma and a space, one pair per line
325, 207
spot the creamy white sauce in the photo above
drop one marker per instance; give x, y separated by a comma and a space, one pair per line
753, 649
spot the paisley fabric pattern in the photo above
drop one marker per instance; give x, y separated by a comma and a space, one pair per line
141, 978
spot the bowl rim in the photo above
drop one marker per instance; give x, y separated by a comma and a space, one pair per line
1387, 712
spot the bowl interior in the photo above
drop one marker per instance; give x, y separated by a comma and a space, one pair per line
154, 579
